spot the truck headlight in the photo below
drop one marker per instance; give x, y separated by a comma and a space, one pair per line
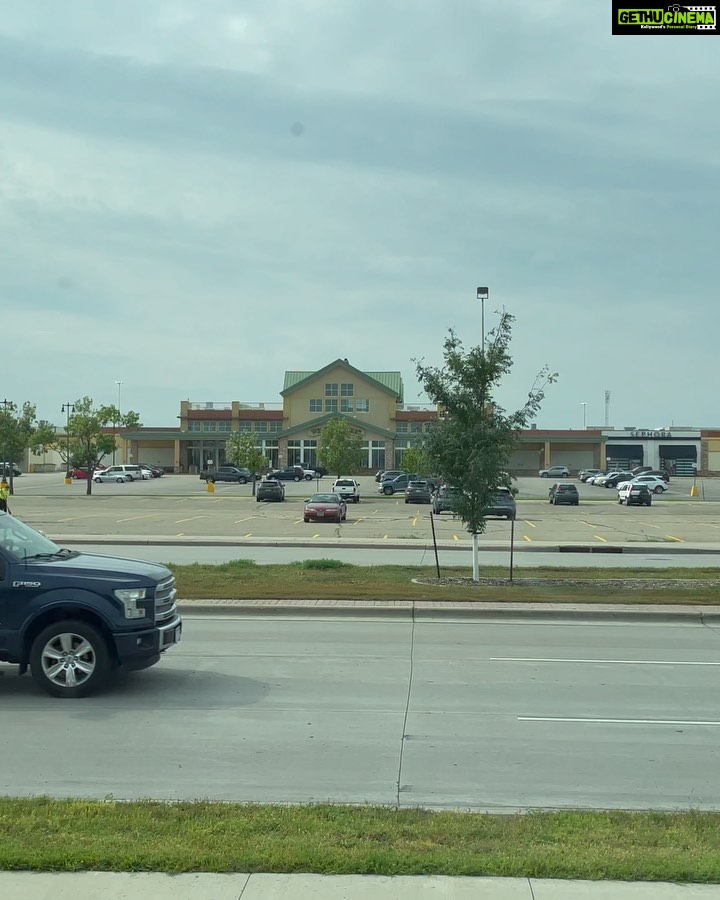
130, 597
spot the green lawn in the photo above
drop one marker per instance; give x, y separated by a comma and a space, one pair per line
334, 580
70, 835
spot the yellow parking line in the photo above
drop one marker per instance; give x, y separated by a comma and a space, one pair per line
589, 524
673, 538
530, 524
318, 535
298, 521
414, 521
246, 519
178, 521
604, 540
385, 537
359, 519
180, 534
526, 538
249, 534
455, 537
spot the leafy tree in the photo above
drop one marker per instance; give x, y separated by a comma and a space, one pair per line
474, 437
20, 430
241, 450
86, 441
340, 447
416, 461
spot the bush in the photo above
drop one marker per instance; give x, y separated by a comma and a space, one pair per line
324, 564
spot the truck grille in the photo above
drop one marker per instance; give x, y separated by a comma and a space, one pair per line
165, 595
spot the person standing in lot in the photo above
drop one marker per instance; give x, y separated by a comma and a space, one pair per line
4, 494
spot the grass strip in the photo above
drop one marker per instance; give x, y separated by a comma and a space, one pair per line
44, 834
243, 579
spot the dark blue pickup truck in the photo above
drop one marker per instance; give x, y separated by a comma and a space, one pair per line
73, 617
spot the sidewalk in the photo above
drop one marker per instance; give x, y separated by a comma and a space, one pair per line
126, 886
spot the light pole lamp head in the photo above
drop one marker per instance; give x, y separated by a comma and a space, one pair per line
483, 293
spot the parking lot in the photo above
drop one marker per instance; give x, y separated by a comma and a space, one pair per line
180, 506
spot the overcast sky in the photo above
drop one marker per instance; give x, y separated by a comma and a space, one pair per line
197, 196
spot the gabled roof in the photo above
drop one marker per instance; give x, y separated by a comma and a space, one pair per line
390, 382
323, 420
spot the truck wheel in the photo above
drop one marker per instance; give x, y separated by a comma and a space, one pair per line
70, 659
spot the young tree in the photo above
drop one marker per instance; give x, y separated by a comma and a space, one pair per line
85, 441
340, 448
474, 437
416, 461
20, 430
241, 450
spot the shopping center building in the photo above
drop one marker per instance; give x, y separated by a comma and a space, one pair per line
373, 404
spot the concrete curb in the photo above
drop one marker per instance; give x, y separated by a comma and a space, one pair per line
425, 546
417, 609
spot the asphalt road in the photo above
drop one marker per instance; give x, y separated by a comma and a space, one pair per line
436, 712
179, 506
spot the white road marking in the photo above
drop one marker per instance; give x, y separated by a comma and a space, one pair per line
177, 521
588, 721
619, 662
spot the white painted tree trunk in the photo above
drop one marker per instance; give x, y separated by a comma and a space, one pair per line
475, 558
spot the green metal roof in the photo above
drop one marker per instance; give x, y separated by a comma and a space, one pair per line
391, 381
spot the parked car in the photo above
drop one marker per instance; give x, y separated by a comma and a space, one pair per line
133, 472
317, 469
6, 470
395, 485
594, 479
154, 470
661, 473
233, 474
584, 474
444, 499
418, 492
270, 489
388, 474
555, 472
347, 488
107, 475
502, 505
634, 494
79, 472
614, 480
564, 492
652, 482
641, 470
145, 472
291, 473
325, 506
603, 479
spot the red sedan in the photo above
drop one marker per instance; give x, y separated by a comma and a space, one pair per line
329, 507
82, 472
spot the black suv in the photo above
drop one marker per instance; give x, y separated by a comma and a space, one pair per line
290, 473
502, 505
564, 492
270, 489
227, 473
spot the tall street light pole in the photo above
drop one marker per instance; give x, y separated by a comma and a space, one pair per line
119, 385
482, 295
584, 406
7, 463
68, 408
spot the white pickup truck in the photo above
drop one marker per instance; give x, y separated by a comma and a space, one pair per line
347, 488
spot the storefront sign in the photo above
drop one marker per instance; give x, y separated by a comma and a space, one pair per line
650, 434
